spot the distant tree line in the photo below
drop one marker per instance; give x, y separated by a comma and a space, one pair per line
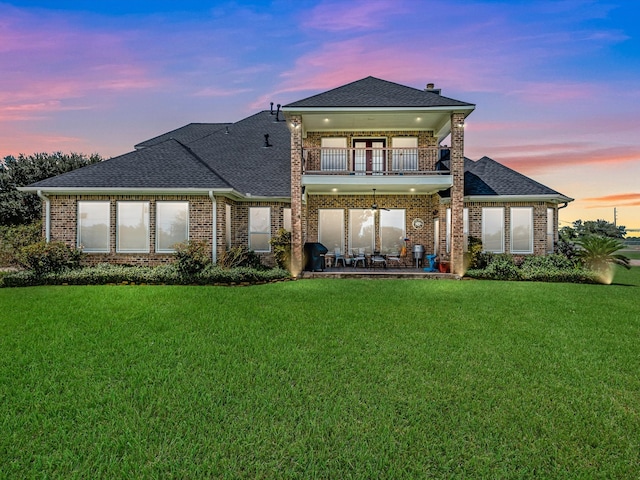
20, 208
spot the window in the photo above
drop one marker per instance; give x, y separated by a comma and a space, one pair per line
465, 230
405, 154
521, 230
331, 229
493, 229
132, 227
333, 155
361, 229
260, 229
227, 225
286, 219
436, 236
550, 230
172, 225
392, 230
93, 226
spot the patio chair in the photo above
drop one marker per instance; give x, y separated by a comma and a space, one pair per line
394, 258
338, 258
359, 257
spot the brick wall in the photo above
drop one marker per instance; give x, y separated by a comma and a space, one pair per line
416, 206
64, 224
426, 158
539, 222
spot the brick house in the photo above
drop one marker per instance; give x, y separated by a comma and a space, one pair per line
361, 167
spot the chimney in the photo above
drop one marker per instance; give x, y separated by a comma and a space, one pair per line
431, 88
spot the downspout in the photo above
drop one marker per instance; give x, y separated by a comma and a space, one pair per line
47, 215
566, 204
214, 228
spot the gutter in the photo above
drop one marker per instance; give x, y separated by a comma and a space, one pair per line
47, 215
214, 227
566, 204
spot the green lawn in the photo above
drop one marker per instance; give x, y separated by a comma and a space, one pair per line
322, 379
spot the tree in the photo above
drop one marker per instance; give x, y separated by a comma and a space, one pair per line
21, 208
598, 227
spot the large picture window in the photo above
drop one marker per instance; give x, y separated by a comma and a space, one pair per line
521, 229
331, 228
172, 225
260, 229
392, 230
132, 227
361, 230
93, 226
493, 229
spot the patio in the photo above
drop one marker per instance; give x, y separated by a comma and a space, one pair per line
378, 272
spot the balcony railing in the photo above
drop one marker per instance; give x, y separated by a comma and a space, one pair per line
375, 161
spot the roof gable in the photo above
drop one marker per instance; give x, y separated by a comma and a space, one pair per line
371, 92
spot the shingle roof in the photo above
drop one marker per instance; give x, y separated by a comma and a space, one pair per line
241, 158
374, 92
486, 177
237, 160
166, 165
186, 134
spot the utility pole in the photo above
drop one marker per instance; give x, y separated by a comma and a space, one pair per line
615, 217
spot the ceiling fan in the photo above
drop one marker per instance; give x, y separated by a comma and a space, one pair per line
374, 206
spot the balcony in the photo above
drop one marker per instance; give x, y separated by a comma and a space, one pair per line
389, 170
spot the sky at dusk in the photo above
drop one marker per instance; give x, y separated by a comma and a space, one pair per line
556, 83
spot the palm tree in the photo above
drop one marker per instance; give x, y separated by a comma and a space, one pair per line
598, 253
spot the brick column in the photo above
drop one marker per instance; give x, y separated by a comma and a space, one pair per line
296, 194
457, 193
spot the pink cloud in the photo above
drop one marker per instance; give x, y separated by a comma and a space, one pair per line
629, 199
352, 16
220, 92
49, 60
552, 92
545, 157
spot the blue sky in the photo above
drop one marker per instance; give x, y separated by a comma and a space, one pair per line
556, 83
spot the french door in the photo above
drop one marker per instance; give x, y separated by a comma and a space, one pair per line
369, 157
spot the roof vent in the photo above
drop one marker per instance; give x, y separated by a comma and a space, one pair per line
266, 141
278, 113
226, 130
271, 108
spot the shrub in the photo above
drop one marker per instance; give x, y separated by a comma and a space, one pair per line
191, 257
239, 256
473, 258
166, 274
51, 257
550, 268
12, 239
598, 253
281, 244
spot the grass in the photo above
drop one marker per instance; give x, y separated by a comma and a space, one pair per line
322, 379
